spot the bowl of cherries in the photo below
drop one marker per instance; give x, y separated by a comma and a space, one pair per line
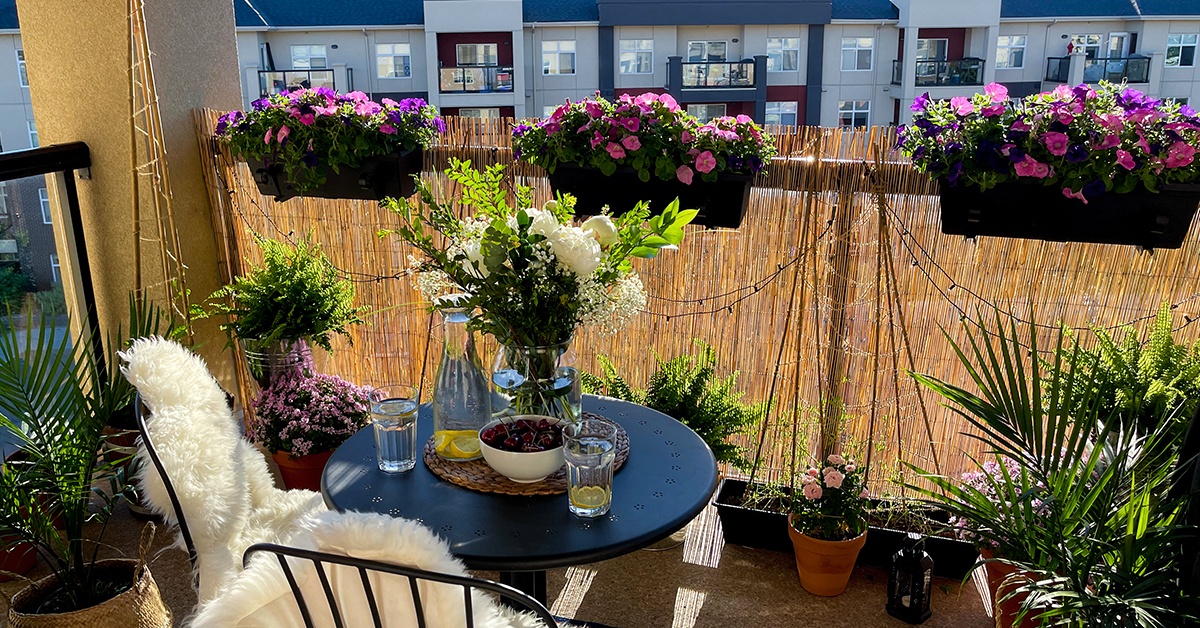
523, 448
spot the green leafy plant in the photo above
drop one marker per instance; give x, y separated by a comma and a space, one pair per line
52, 302
686, 387
1078, 499
296, 294
831, 504
56, 398
14, 285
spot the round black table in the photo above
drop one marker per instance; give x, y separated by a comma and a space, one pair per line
668, 479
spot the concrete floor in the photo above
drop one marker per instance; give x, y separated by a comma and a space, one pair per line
701, 584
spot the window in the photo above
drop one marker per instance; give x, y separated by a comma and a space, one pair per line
932, 49
1089, 43
1010, 52
706, 112
477, 54
548, 110
21, 75
393, 60
1181, 51
781, 113
492, 112
854, 113
857, 53
33, 136
707, 51
55, 271
309, 58
783, 54
44, 201
1182, 101
637, 56
3, 199
558, 57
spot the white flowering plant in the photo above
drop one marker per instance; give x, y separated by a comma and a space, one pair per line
533, 274
832, 504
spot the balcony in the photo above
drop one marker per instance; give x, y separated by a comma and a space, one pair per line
719, 75
475, 80
1058, 69
1111, 69
939, 73
276, 81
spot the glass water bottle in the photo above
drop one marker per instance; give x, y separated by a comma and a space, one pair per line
461, 396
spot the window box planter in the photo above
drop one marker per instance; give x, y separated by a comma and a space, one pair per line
764, 529
1017, 209
378, 177
722, 203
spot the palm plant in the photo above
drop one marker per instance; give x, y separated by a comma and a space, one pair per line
56, 397
1085, 511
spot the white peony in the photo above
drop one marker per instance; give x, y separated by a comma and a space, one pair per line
474, 263
602, 229
575, 250
542, 223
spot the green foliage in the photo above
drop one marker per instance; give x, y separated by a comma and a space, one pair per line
52, 302
686, 387
1083, 503
13, 287
832, 504
296, 294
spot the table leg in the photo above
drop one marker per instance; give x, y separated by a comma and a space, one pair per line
532, 583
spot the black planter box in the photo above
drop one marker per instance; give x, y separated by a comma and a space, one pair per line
762, 529
722, 203
375, 179
1017, 209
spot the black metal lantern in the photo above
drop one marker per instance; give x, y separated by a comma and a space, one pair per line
910, 582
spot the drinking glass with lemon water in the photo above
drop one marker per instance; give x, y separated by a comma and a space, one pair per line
394, 416
590, 448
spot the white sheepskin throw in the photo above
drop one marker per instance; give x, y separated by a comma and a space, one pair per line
261, 598
224, 487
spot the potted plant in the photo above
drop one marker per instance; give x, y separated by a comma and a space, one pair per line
301, 418
295, 298
534, 277
1082, 164
828, 525
617, 154
317, 142
65, 398
891, 521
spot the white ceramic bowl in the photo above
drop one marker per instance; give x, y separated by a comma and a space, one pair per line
522, 466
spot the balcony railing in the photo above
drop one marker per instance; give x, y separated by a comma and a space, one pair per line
1111, 69
721, 75
275, 81
475, 80
1058, 69
934, 73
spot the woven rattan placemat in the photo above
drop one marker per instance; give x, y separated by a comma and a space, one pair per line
477, 475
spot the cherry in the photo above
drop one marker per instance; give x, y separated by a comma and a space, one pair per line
511, 444
543, 425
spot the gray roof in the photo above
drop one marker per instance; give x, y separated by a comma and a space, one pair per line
865, 10
560, 11
8, 14
252, 13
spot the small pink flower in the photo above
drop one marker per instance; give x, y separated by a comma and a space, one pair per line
1180, 154
616, 151
996, 91
1056, 143
744, 119
669, 101
284, 132
1069, 193
684, 174
1020, 124
863, 494
705, 162
1026, 167
631, 143
593, 109
833, 479
1065, 117
962, 106
813, 472
836, 459
597, 139
1142, 144
267, 137
632, 124
388, 102
812, 491
850, 468
1109, 141
1125, 159
387, 129
685, 137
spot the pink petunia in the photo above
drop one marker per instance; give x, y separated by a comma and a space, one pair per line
597, 139
996, 91
632, 124
307, 119
1020, 124
812, 491
962, 106
267, 137
1180, 154
358, 96
1030, 167
669, 101
744, 119
616, 151
1065, 117
388, 102
593, 109
1141, 143
631, 143
1109, 141
387, 129
1056, 143
685, 137
284, 132
992, 111
705, 162
684, 174
1069, 193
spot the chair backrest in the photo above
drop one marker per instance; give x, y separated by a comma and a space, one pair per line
139, 413
413, 575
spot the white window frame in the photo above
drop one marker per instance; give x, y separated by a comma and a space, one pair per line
782, 108
388, 54
1182, 101
1010, 47
44, 202
55, 269
945, 48
22, 75
855, 46
489, 52
694, 109
548, 110
854, 110
552, 56
302, 57
707, 45
3, 199
1183, 40
31, 126
776, 47
635, 53
1089, 41
482, 113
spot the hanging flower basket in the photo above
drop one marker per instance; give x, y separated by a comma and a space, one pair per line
377, 178
1017, 209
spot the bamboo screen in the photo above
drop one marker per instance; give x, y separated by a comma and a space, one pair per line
837, 284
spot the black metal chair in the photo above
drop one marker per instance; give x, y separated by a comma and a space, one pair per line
282, 553
139, 413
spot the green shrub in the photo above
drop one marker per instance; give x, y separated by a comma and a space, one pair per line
52, 302
13, 287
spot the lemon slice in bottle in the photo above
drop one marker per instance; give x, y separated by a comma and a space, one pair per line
464, 447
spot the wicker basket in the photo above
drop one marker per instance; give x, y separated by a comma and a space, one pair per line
141, 606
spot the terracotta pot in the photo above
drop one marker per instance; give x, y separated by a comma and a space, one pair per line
1006, 611
824, 566
303, 472
16, 557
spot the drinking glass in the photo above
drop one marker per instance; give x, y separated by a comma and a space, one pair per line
394, 415
590, 448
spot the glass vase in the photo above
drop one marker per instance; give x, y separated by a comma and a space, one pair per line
538, 380
268, 360
462, 402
